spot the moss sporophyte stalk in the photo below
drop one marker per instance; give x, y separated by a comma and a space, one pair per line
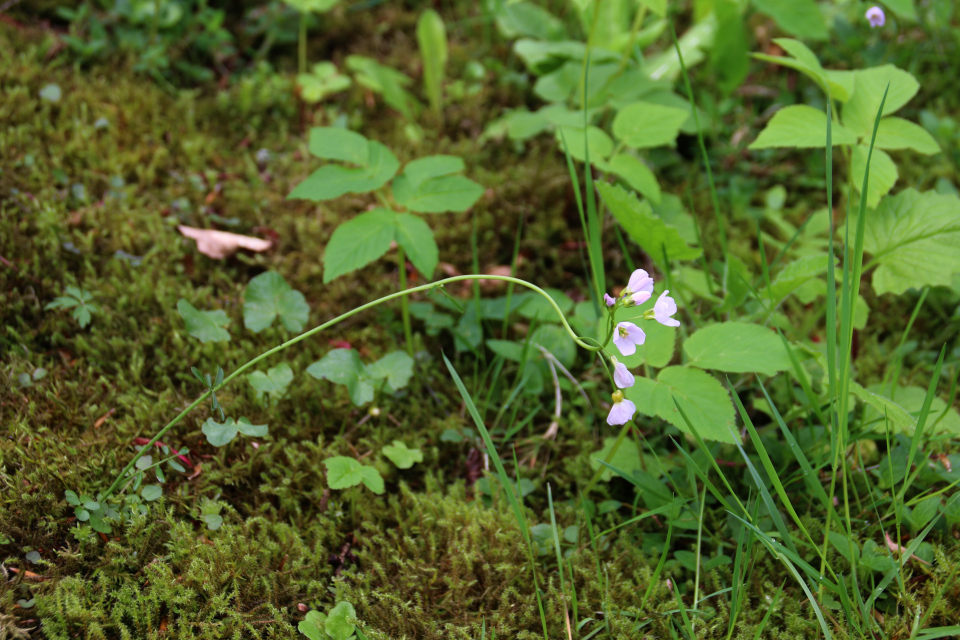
626, 336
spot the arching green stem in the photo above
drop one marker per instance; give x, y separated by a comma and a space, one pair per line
303, 336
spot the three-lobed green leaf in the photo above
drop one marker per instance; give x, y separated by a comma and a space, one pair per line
737, 347
401, 456
268, 296
206, 326
344, 472
220, 434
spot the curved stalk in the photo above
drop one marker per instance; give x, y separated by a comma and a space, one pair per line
303, 336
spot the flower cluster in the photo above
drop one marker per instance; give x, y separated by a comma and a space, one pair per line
627, 336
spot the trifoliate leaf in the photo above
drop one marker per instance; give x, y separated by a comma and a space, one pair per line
914, 239
343, 366
703, 399
274, 382
396, 367
340, 621
635, 173
268, 296
337, 143
214, 521
358, 242
737, 347
344, 472
206, 326
897, 133
801, 127
332, 180
652, 234
643, 125
597, 142
400, 455
860, 112
416, 238
437, 195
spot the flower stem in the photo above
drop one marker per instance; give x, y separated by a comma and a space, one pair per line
326, 325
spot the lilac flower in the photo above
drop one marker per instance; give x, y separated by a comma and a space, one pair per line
621, 375
663, 309
609, 300
621, 411
627, 336
876, 17
640, 287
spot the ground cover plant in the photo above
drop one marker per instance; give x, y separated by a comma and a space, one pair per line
646, 326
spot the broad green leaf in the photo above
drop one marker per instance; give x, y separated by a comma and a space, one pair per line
911, 399
401, 456
881, 409
339, 624
268, 296
914, 240
840, 83
897, 133
437, 195
635, 173
206, 326
526, 19
538, 308
507, 349
312, 626
598, 142
860, 111
312, 6
794, 275
670, 210
344, 367
432, 40
274, 382
903, 8
801, 127
396, 367
883, 173
358, 242
219, 434
332, 180
801, 18
151, 492
416, 238
557, 341
652, 234
737, 347
431, 167
729, 57
643, 125
701, 396
337, 143
627, 458
344, 472
251, 430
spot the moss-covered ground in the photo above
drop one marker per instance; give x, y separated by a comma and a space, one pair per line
430, 558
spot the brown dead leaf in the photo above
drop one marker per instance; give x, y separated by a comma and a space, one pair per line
893, 546
220, 244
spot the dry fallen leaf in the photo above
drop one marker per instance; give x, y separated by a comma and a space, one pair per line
220, 244
893, 546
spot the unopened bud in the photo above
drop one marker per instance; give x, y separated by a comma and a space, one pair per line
374, 411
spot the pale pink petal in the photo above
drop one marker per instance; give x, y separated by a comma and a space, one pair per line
621, 412
622, 376
627, 336
664, 308
876, 17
